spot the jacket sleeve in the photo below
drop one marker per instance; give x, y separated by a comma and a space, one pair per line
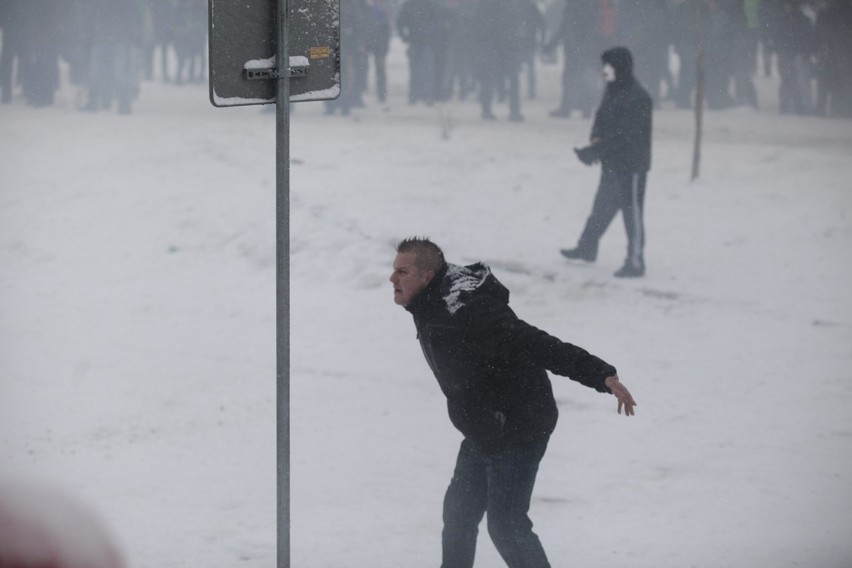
627, 134
504, 332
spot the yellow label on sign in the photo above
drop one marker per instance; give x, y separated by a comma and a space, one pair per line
320, 52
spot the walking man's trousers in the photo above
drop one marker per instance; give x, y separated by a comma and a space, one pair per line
618, 191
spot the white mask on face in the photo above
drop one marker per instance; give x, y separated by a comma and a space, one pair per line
608, 73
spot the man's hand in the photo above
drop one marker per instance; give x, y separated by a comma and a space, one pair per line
625, 399
587, 155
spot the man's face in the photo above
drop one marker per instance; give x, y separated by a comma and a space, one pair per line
608, 73
407, 279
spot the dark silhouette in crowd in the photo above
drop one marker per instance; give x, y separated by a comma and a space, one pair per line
378, 43
794, 42
683, 42
31, 49
532, 37
645, 27
189, 37
114, 31
746, 20
730, 30
493, 369
718, 36
423, 26
11, 19
353, 53
834, 58
766, 10
160, 36
499, 31
460, 78
75, 48
587, 27
621, 142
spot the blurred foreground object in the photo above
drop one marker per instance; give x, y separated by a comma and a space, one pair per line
42, 527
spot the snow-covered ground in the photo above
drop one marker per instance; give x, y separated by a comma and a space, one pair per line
137, 329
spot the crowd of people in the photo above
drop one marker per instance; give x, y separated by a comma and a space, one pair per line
488, 48
108, 46
458, 49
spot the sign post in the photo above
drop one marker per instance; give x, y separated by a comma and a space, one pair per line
282, 264
256, 48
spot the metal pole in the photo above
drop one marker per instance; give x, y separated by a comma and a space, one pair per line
282, 215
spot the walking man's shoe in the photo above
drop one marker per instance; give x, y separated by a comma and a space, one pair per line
577, 253
630, 271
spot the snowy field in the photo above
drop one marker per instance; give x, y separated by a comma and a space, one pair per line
137, 324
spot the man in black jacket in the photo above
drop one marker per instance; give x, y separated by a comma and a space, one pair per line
621, 142
492, 367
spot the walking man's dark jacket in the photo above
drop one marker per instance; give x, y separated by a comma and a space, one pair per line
622, 123
491, 365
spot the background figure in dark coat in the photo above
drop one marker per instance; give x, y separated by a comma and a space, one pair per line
645, 27
683, 41
114, 31
834, 59
719, 35
161, 37
532, 38
492, 368
189, 37
461, 67
746, 36
794, 42
38, 59
12, 47
352, 52
621, 142
587, 28
499, 31
422, 24
378, 27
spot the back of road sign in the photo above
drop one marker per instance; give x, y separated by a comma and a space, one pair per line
242, 51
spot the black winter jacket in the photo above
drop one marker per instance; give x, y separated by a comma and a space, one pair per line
491, 365
623, 121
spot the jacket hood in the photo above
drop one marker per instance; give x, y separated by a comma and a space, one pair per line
621, 60
462, 283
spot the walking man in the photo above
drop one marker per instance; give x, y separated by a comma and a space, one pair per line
492, 367
621, 142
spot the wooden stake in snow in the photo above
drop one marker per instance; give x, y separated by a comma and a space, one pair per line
699, 92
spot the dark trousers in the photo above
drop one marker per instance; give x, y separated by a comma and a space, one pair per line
421, 69
501, 485
618, 191
495, 72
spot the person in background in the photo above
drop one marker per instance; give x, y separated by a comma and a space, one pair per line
499, 32
422, 24
746, 29
621, 142
586, 28
532, 38
378, 43
114, 30
794, 43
